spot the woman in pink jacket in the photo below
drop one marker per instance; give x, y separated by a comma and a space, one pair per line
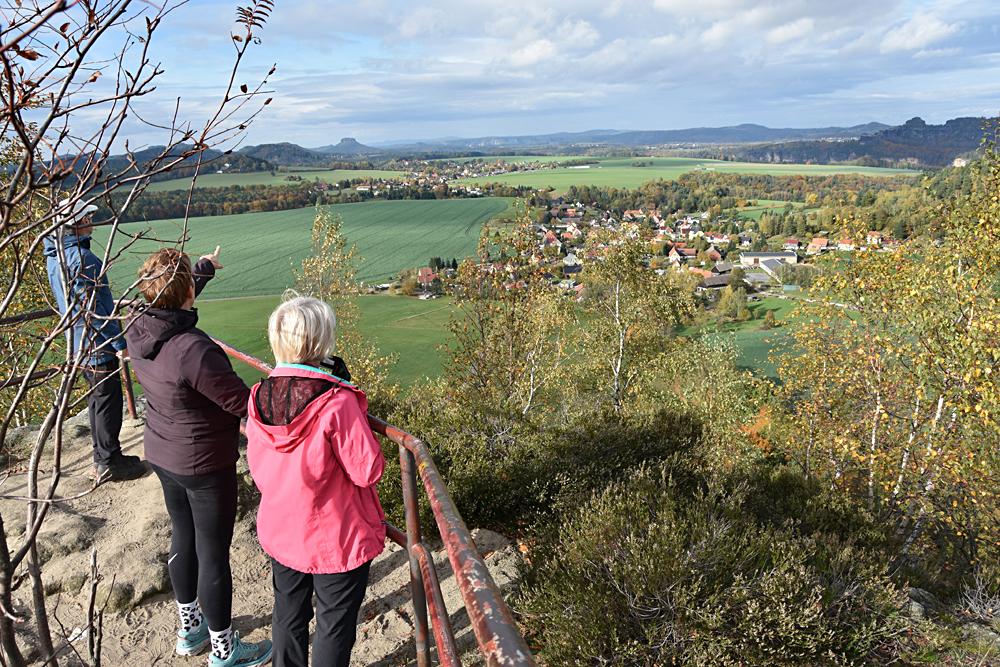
316, 463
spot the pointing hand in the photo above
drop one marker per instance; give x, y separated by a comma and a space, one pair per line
214, 257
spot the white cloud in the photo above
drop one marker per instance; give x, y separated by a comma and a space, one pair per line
791, 31
390, 69
422, 21
532, 54
917, 33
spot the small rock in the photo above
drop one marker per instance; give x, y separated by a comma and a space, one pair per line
981, 635
924, 598
487, 541
916, 611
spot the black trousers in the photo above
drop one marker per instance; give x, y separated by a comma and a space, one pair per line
104, 407
338, 601
202, 511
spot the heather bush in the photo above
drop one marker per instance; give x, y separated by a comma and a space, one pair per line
649, 574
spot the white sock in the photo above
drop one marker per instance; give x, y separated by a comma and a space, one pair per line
222, 642
190, 614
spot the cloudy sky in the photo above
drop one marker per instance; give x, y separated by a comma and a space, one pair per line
384, 70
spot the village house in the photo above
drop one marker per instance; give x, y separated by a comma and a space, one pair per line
713, 254
772, 267
713, 284
845, 245
874, 239
757, 258
791, 244
818, 245
426, 277
680, 254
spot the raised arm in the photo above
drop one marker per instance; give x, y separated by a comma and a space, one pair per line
208, 371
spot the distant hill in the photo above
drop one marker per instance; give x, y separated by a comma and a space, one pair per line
286, 154
211, 161
348, 147
915, 143
737, 134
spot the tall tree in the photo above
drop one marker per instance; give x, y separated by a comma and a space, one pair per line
330, 273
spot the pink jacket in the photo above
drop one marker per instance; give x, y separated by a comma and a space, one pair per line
319, 511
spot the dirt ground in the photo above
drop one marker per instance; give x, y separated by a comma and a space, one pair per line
128, 524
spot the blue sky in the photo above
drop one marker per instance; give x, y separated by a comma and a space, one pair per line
383, 70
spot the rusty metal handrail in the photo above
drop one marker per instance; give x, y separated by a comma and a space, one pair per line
499, 640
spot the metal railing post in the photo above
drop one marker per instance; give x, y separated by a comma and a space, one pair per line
126, 374
408, 469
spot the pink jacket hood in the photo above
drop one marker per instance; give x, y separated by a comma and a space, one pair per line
319, 510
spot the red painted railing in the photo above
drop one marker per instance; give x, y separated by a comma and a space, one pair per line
499, 640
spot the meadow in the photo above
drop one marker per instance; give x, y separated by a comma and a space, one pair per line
408, 328
213, 180
754, 344
762, 206
620, 172
260, 250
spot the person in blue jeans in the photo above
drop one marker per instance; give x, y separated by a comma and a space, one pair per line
76, 276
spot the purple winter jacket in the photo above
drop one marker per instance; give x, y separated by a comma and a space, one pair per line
194, 398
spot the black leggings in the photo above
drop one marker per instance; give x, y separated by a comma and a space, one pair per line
202, 512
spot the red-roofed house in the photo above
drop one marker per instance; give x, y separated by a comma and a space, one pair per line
426, 276
818, 245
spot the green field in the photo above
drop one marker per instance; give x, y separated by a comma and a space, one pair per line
619, 172
406, 327
763, 206
755, 344
214, 180
259, 250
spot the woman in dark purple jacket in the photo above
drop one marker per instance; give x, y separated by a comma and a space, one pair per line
194, 402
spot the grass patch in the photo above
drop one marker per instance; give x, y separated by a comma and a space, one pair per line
409, 328
755, 344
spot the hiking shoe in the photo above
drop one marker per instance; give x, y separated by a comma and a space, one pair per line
119, 468
194, 641
244, 654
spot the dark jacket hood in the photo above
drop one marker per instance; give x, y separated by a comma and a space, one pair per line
151, 328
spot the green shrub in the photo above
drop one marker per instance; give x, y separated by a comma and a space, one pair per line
643, 575
507, 473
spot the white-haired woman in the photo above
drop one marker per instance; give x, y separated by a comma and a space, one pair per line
316, 463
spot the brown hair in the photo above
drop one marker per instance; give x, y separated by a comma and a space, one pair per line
165, 278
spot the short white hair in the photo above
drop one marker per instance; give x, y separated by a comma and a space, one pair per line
301, 330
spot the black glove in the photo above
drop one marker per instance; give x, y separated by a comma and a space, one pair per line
336, 366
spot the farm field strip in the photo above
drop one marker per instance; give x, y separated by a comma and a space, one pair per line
212, 180
260, 250
620, 172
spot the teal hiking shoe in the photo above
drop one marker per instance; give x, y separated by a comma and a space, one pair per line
193, 641
244, 654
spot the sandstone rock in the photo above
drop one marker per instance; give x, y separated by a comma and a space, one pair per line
981, 635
